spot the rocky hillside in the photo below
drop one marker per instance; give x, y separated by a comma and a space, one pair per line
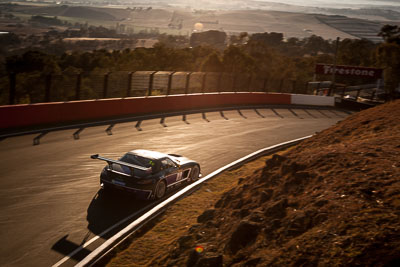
332, 200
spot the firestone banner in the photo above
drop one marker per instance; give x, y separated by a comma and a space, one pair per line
348, 71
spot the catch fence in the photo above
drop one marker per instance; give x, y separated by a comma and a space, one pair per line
25, 88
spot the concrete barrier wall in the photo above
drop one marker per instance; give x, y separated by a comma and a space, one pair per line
312, 100
64, 112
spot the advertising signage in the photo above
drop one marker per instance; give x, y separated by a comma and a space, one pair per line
353, 71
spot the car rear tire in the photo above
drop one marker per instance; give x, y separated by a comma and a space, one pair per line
161, 189
194, 175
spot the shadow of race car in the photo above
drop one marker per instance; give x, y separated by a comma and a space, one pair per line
148, 174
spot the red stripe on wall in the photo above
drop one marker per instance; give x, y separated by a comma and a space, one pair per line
61, 112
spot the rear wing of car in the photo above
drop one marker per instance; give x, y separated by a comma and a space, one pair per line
110, 162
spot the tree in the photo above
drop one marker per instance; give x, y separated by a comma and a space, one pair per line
356, 52
9, 39
390, 33
32, 61
46, 20
174, 41
388, 55
235, 60
213, 38
212, 63
293, 41
315, 44
271, 39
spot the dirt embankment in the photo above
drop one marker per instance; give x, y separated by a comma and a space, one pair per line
332, 200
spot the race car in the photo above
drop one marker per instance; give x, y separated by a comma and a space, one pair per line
148, 174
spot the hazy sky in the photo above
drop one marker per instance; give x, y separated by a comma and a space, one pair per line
337, 3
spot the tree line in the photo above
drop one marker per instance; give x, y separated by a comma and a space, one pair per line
262, 54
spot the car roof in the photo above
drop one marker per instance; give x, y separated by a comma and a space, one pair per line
148, 154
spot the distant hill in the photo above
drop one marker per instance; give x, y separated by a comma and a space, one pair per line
87, 13
71, 11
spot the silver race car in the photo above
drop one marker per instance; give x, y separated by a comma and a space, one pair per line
146, 173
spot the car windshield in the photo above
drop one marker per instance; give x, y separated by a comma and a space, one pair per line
138, 160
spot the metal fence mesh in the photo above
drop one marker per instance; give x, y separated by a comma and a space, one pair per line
92, 86
196, 81
257, 84
179, 83
160, 83
37, 87
30, 88
117, 84
62, 88
4, 91
140, 83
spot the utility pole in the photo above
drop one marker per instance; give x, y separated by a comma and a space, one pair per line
332, 88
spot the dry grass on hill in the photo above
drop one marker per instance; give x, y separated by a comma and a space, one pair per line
153, 241
332, 200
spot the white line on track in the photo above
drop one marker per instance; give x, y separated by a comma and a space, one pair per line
70, 255
142, 219
108, 243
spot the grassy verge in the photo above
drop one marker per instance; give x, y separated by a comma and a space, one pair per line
145, 246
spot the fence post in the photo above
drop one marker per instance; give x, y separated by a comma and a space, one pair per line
219, 82
358, 93
373, 94
281, 85
265, 84
105, 85
170, 82
187, 82
294, 86
250, 80
129, 87
234, 77
11, 96
78, 86
203, 85
151, 79
47, 92
343, 91
318, 86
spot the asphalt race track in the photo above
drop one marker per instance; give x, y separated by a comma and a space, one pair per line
50, 200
